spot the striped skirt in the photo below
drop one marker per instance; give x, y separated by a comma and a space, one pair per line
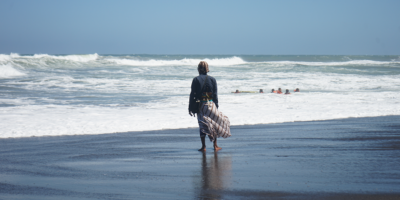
213, 122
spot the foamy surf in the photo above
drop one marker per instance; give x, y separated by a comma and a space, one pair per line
182, 62
242, 109
75, 58
342, 63
43, 95
7, 71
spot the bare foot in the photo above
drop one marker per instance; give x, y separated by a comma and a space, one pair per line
202, 149
216, 148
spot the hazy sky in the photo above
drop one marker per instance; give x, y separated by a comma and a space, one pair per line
200, 27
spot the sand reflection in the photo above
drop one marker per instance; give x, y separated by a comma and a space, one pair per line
215, 175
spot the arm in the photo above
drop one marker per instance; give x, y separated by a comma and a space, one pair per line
192, 100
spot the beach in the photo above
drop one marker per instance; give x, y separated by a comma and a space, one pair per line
353, 158
97, 100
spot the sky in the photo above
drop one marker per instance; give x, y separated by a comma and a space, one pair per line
284, 27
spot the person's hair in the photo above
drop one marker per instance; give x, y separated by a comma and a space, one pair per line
203, 67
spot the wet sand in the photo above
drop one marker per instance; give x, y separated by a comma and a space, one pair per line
355, 158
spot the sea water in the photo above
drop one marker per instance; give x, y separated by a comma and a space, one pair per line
43, 95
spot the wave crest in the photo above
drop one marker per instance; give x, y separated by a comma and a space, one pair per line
6, 58
73, 58
345, 63
216, 62
7, 71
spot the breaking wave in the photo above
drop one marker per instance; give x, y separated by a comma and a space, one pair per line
344, 63
13, 57
183, 62
7, 71
148, 61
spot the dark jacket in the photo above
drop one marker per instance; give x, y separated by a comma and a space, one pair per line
210, 86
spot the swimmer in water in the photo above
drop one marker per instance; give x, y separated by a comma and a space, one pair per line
273, 91
279, 91
237, 91
261, 91
297, 90
287, 91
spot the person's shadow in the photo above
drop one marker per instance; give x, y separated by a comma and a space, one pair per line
215, 176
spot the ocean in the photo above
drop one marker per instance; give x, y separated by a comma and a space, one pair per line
52, 95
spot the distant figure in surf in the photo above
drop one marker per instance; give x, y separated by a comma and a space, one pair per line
261, 91
279, 91
297, 90
287, 91
273, 91
237, 91
203, 100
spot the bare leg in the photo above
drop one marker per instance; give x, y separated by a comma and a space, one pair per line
203, 144
216, 147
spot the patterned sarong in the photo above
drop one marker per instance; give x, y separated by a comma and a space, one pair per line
213, 122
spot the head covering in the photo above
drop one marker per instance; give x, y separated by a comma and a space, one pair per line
203, 67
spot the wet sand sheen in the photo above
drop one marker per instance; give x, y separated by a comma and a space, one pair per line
355, 158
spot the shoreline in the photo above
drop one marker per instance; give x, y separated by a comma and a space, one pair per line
172, 129
351, 158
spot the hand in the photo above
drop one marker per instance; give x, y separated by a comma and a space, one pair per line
192, 114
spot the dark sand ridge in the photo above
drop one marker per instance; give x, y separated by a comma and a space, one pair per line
355, 158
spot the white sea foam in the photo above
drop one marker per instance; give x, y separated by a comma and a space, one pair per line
183, 62
7, 71
45, 59
4, 58
44, 120
75, 58
106, 94
344, 63
227, 61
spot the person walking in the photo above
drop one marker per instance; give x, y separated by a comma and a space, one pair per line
203, 100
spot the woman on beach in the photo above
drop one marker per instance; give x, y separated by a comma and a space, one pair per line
204, 101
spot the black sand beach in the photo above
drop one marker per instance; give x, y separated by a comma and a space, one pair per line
356, 158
